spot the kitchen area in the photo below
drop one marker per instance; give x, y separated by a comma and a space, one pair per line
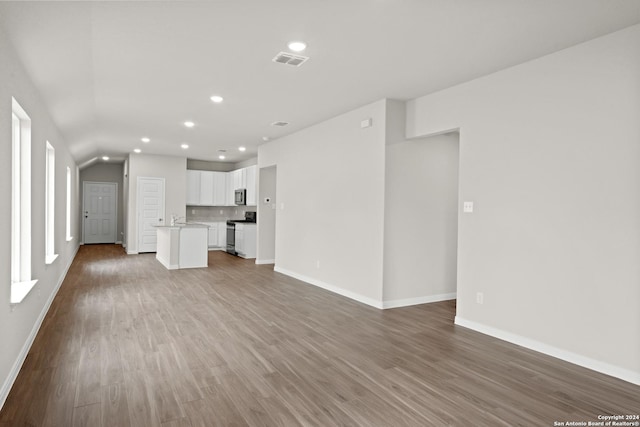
220, 215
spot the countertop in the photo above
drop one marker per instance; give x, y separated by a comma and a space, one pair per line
182, 225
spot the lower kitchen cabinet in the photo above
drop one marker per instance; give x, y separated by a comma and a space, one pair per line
246, 240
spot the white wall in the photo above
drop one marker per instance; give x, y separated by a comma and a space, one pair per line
331, 184
550, 154
106, 172
421, 220
173, 170
19, 323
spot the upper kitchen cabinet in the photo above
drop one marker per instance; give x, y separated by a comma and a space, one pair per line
209, 188
220, 188
193, 187
206, 188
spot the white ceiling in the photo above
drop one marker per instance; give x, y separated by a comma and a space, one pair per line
113, 72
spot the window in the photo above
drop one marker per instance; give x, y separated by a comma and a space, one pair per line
21, 282
50, 205
69, 236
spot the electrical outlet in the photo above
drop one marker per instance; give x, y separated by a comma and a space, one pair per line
479, 298
467, 207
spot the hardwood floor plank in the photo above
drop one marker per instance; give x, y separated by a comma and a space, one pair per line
115, 406
128, 343
87, 416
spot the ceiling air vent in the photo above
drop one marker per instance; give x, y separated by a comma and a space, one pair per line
281, 124
290, 59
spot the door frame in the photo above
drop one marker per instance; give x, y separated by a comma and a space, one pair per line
139, 205
115, 225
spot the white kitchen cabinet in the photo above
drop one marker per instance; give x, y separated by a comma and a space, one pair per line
239, 178
193, 187
206, 188
240, 239
250, 181
230, 190
214, 231
222, 234
219, 188
246, 240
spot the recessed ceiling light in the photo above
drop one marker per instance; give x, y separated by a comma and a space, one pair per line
297, 46
137, 150
105, 158
242, 148
189, 124
221, 157
184, 146
145, 139
217, 99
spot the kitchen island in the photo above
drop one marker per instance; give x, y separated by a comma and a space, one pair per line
182, 246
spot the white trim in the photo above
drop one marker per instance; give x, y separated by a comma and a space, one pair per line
118, 242
50, 258
419, 300
166, 263
132, 252
265, 261
15, 369
568, 356
336, 290
20, 290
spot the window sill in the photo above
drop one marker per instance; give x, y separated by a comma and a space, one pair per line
50, 258
19, 290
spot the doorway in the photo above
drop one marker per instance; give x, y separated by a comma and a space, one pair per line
99, 212
150, 212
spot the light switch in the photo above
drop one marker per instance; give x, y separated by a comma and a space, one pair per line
467, 207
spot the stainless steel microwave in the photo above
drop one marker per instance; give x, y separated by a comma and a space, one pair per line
241, 197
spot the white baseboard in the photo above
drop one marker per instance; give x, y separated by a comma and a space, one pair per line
132, 252
577, 359
419, 300
118, 242
265, 261
15, 369
335, 289
167, 265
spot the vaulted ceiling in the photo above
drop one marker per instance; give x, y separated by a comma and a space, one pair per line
114, 72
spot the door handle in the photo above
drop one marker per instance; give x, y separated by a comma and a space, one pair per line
159, 219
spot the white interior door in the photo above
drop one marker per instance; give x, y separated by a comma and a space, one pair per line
150, 212
99, 212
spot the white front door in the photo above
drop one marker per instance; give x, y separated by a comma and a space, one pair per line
99, 212
150, 212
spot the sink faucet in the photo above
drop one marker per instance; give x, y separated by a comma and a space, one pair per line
175, 218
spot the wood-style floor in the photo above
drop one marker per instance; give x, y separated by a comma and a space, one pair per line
128, 343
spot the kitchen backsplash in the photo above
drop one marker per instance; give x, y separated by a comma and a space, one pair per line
217, 213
